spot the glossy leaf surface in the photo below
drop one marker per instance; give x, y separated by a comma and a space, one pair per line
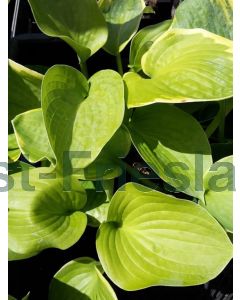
123, 18
79, 23
219, 185
81, 279
213, 15
183, 65
174, 145
155, 239
42, 215
143, 40
24, 89
85, 113
32, 136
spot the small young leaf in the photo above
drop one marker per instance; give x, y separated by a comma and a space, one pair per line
81, 279
79, 23
174, 145
42, 215
24, 89
32, 136
219, 185
143, 40
155, 239
80, 116
123, 18
184, 65
213, 15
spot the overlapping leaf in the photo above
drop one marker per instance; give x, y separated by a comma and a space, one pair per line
143, 40
183, 65
42, 215
219, 185
154, 239
24, 89
81, 117
213, 15
79, 23
81, 279
32, 136
123, 18
13, 149
174, 145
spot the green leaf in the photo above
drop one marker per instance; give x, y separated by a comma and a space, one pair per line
106, 165
98, 199
81, 279
18, 166
219, 186
12, 256
143, 40
13, 149
123, 18
43, 215
79, 23
213, 15
184, 65
24, 89
174, 145
80, 116
9, 296
32, 136
155, 239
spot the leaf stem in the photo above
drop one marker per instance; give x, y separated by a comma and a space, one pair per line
217, 120
222, 112
137, 175
119, 64
83, 67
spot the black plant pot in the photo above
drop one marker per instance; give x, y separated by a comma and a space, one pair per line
28, 46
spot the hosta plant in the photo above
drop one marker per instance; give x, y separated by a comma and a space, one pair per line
73, 136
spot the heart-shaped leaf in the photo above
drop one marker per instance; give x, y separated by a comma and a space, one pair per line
213, 15
41, 214
184, 65
13, 149
219, 186
143, 40
163, 136
155, 239
81, 279
123, 18
24, 89
32, 136
79, 23
81, 117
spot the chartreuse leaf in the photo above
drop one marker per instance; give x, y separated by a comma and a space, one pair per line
123, 18
98, 200
42, 215
163, 135
13, 149
106, 165
24, 89
81, 279
184, 65
219, 186
213, 15
32, 136
155, 239
79, 23
80, 116
143, 40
